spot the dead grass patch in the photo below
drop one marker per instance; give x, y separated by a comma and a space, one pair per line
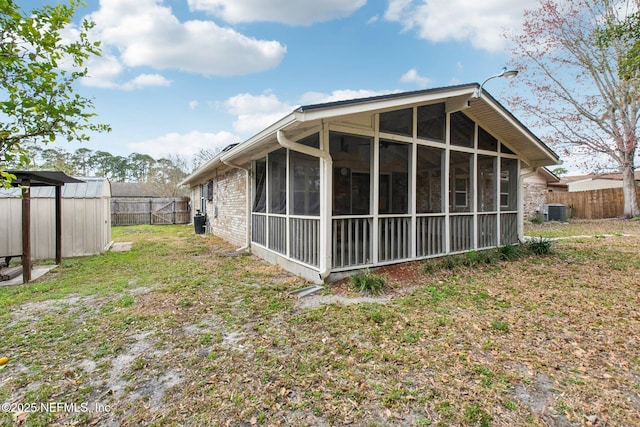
176, 333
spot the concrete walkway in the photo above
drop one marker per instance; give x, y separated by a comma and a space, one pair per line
36, 271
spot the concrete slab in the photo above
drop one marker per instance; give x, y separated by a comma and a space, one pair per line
121, 246
36, 271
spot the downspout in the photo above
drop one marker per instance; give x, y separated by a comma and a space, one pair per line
521, 179
247, 197
325, 267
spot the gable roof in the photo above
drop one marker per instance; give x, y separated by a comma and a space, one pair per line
485, 110
134, 189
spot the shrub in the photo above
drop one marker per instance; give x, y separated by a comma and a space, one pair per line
367, 282
508, 252
536, 220
540, 246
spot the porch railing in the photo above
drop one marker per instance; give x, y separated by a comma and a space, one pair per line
351, 241
508, 228
460, 230
278, 234
304, 240
430, 235
259, 229
394, 238
487, 230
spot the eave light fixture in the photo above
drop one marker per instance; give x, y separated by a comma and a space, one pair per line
503, 73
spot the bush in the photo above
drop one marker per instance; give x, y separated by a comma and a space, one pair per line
508, 252
537, 220
367, 282
540, 246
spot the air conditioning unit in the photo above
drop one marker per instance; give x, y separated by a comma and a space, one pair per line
555, 212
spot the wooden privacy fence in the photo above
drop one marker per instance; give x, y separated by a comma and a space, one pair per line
592, 204
130, 211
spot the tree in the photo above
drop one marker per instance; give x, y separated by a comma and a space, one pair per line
38, 71
583, 90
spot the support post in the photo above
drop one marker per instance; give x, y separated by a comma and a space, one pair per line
26, 231
58, 224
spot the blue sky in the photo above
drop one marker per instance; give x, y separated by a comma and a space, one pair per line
180, 75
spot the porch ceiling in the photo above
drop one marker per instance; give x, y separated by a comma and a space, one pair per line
494, 118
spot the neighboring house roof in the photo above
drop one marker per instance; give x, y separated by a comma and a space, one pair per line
134, 189
548, 176
486, 110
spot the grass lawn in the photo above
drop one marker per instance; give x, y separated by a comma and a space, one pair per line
174, 332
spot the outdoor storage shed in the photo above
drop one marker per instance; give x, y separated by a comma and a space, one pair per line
86, 228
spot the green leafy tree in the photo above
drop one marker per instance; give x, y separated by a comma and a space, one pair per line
38, 70
81, 159
580, 60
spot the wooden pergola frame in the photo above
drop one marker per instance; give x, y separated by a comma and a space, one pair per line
25, 180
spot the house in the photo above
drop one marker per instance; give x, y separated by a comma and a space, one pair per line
597, 182
536, 184
342, 186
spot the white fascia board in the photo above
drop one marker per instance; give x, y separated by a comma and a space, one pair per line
249, 144
555, 160
201, 173
380, 104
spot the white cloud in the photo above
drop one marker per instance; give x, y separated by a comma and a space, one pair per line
256, 112
310, 98
481, 23
412, 76
299, 12
193, 104
186, 144
105, 71
373, 19
146, 33
145, 80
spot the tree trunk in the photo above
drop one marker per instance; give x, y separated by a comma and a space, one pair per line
631, 209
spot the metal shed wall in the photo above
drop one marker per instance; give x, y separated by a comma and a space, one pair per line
86, 216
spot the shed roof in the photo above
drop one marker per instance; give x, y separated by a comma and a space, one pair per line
486, 110
87, 188
134, 189
41, 178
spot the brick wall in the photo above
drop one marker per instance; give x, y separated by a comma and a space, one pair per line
533, 198
229, 197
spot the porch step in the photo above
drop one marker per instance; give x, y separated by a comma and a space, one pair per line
303, 292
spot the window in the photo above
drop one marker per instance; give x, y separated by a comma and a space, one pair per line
429, 184
260, 184
486, 183
393, 196
210, 191
460, 195
462, 130
508, 184
431, 122
505, 149
351, 173
486, 141
311, 141
278, 181
399, 122
305, 180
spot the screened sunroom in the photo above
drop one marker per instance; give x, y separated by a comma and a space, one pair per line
364, 183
